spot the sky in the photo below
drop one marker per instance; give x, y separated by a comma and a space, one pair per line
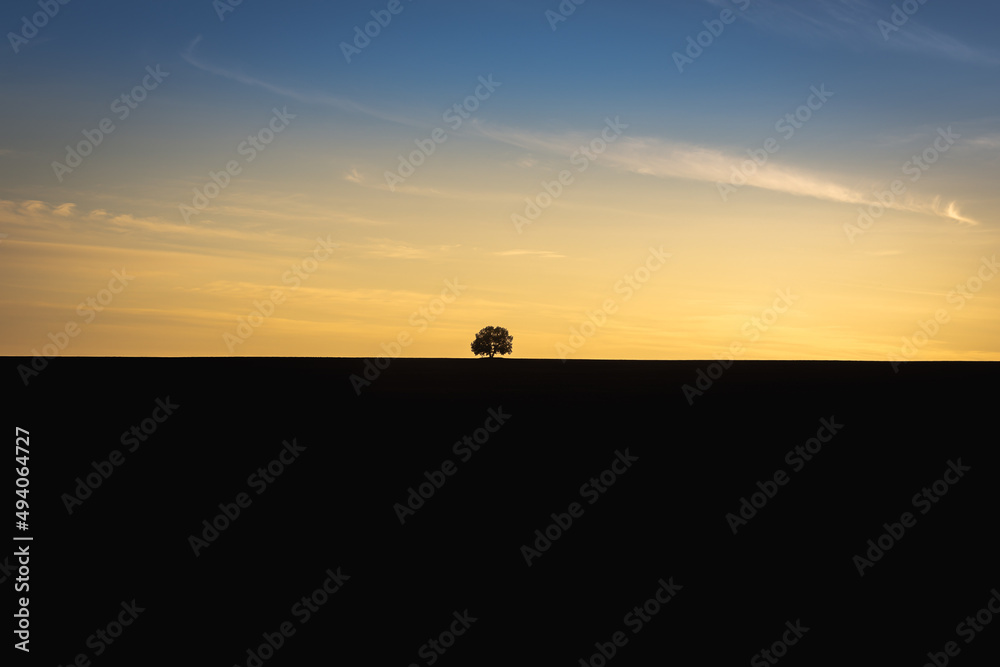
758, 179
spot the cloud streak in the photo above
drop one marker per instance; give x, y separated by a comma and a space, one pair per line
991, 141
324, 99
667, 159
544, 254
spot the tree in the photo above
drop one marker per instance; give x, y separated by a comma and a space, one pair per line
492, 340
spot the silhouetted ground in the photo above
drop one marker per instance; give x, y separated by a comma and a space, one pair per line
664, 517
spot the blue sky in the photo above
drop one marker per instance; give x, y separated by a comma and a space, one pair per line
606, 58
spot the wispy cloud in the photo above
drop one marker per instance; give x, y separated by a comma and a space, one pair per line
34, 221
325, 99
387, 248
545, 254
855, 23
986, 141
666, 159
882, 253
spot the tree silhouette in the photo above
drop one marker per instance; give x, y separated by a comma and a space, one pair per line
492, 340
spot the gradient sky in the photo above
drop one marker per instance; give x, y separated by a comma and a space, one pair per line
792, 228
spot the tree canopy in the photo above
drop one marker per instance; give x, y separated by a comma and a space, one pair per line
492, 340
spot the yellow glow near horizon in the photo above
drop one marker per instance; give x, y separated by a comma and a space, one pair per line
194, 282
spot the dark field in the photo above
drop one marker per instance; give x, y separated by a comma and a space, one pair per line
888, 436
